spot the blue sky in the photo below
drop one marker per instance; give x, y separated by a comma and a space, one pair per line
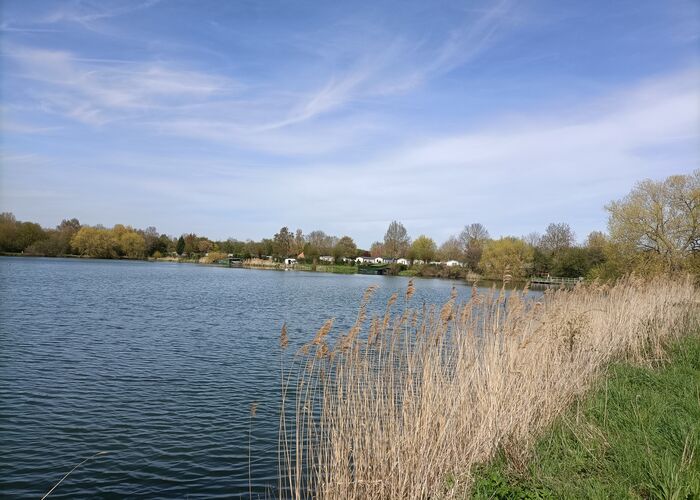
234, 118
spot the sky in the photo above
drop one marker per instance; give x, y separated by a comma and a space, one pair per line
235, 118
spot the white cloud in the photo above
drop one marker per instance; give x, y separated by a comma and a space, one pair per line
83, 12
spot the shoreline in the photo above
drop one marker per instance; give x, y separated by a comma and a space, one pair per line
280, 267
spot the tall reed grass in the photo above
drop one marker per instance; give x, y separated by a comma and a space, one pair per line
403, 404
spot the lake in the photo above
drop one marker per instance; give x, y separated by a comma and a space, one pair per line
157, 364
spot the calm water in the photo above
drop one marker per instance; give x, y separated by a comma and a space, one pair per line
157, 364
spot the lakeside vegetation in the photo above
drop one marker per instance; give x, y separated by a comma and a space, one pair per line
637, 435
654, 229
410, 404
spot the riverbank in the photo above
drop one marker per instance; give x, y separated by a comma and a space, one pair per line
637, 434
421, 397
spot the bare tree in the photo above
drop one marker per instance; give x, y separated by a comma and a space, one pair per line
557, 237
451, 249
472, 240
534, 239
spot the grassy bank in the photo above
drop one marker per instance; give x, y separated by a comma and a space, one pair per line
636, 436
406, 404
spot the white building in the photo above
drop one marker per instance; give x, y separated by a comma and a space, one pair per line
289, 261
363, 260
378, 260
452, 263
403, 262
326, 258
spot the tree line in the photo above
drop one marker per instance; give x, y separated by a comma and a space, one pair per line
655, 228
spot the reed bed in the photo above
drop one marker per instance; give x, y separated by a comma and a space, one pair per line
404, 404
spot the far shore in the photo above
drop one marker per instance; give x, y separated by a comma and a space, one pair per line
275, 266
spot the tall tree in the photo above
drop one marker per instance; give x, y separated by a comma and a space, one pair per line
8, 232
320, 242
557, 237
150, 237
191, 243
180, 246
660, 217
473, 237
396, 240
299, 242
283, 242
596, 244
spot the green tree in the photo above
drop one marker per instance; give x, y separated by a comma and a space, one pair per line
191, 244
152, 240
595, 244
396, 240
541, 261
27, 234
507, 256
8, 233
345, 248
132, 245
572, 262
65, 232
53, 245
180, 245
95, 242
284, 241
423, 248
311, 253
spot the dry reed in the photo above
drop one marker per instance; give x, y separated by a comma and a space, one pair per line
425, 394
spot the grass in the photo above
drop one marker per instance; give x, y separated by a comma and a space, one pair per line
636, 436
406, 403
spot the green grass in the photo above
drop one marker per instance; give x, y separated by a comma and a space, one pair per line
637, 435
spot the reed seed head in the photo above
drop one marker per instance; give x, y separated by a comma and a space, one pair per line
410, 289
284, 339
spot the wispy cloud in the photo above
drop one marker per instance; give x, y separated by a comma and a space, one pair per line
85, 12
97, 92
101, 91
